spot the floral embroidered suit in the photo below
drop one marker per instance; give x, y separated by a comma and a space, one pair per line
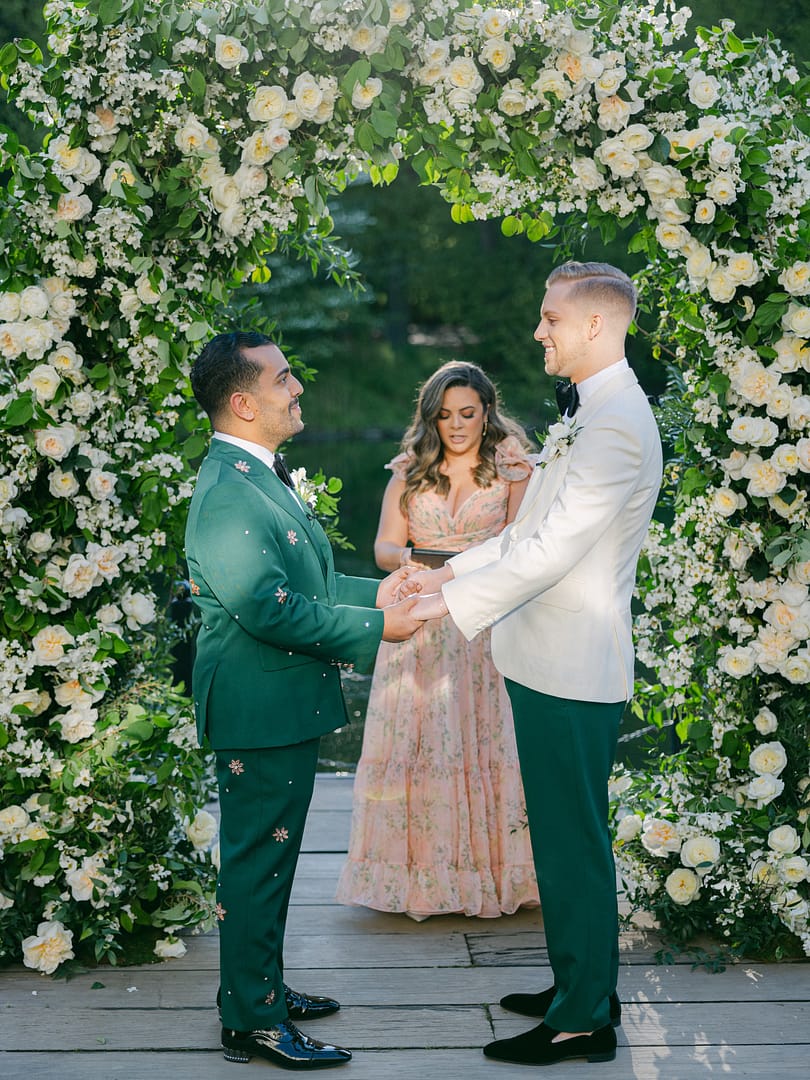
276, 623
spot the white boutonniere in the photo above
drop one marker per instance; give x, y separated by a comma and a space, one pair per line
559, 440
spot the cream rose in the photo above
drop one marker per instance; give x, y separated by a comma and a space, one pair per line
233, 221
78, 723
784, 839
796, 668
660, 837
308, 95
72, 206
229, 52
79, 577
139, 609
721, 189
705, 211
613, 113
192, 137
753, 431
44, 380
768, 758
763, 789
721, 153
399, 11
549, 81
703, 90
743, 268
48, 646
628, 828
795, 279
700, 852
498, 53
120, 171
794, 869
727, 502
101, 485
765, 721
797, 319
764, 478
56, 442
202, 830
39, 542
9, 306
364, 94
268, 103
13, 820
586, 171
63, 485
737, 661
512, 101
167, 948
721, 285
495, 22
48, 948
682, 885
671, 237
464, 75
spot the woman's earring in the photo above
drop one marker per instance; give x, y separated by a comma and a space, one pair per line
484, 432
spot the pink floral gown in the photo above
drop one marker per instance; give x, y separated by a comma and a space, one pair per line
438, 824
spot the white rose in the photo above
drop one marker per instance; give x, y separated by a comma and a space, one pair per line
40, 542
796, 668
192, 137
268, 103
765, 721
35, 337
229, 52
145, 291
628, 828
797, 319
498, 53
167, 948
721, 285
618, 158
9, 306
224, 193
56, 442
700, 852
512, 100
365, 93
77, 724
753, 431
121, 171
464, 75
101, 485
705, 211
13, 820
663, 181
613, 113
80, 403
34, 302
44, 380
399, 11
202, 830
699, 263
65, 358
795, 279
139, 609
368, 39
790, 353
704, 90
308, 95
460, 100
743, 268
764, 479
671, 237
233, 221
768, 758
549, 81
794, 869
79, 577
763, 789
784, 839
721, 189
637, 137
754, 382
129, 305
727, 502
73, 206
48, 646
48, 948
495, 22
587, 173
72, 693
682, 885
63, 485
84, 879
87, 168
762, 873
660, 837
250, 180
668, 210
737, 662
722, 153
5, 902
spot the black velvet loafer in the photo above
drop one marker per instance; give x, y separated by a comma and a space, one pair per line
284, 1045
535, 1047
299, 1006
537, 1005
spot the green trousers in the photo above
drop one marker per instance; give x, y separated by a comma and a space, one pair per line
566, 750
264, 796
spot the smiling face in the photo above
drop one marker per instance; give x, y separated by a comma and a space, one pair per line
564, 331
460, 421
270, 407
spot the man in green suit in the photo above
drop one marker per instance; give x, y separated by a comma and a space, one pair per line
277, 624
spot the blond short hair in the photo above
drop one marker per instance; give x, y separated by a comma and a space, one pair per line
600, 283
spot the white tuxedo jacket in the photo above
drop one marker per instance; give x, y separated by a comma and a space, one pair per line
556, 585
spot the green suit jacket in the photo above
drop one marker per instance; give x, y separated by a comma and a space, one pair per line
276, 618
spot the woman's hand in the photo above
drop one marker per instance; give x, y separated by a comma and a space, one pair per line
389, 589
425, 581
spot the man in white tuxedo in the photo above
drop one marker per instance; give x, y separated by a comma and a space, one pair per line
556, 588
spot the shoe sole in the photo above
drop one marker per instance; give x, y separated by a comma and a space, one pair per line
608, 1055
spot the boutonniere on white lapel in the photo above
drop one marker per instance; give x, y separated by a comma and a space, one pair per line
558, 441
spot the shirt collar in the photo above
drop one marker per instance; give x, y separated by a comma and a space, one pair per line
260, 452
589, 386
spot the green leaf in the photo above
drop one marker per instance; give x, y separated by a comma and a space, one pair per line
141, 730
8, 58
21, 411
357, 73
384, 123
511, 226
109, 11
197, 331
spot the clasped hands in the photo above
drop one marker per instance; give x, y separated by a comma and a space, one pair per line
410, 597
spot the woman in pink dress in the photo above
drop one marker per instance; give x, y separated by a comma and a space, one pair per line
439, 821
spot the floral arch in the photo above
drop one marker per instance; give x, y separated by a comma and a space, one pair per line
185, 139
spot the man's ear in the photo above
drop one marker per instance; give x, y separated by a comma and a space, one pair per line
242, 406
596, 324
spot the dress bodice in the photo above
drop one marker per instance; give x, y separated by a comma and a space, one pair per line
481, 515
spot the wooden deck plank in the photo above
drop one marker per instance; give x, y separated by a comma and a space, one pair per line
633, 1063
419, 999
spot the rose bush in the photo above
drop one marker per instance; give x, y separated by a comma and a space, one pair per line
183, 141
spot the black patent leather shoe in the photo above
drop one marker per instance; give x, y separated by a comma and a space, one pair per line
537, 1005
299, 1006
536, 1047
284, 1045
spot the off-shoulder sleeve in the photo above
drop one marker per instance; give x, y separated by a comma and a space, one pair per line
399, 465
511, 460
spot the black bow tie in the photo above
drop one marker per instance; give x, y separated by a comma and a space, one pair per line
567, 397
282, 472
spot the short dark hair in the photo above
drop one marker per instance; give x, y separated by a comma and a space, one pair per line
222, 368
599, 281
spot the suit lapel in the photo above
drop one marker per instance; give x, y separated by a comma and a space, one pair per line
258, 473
